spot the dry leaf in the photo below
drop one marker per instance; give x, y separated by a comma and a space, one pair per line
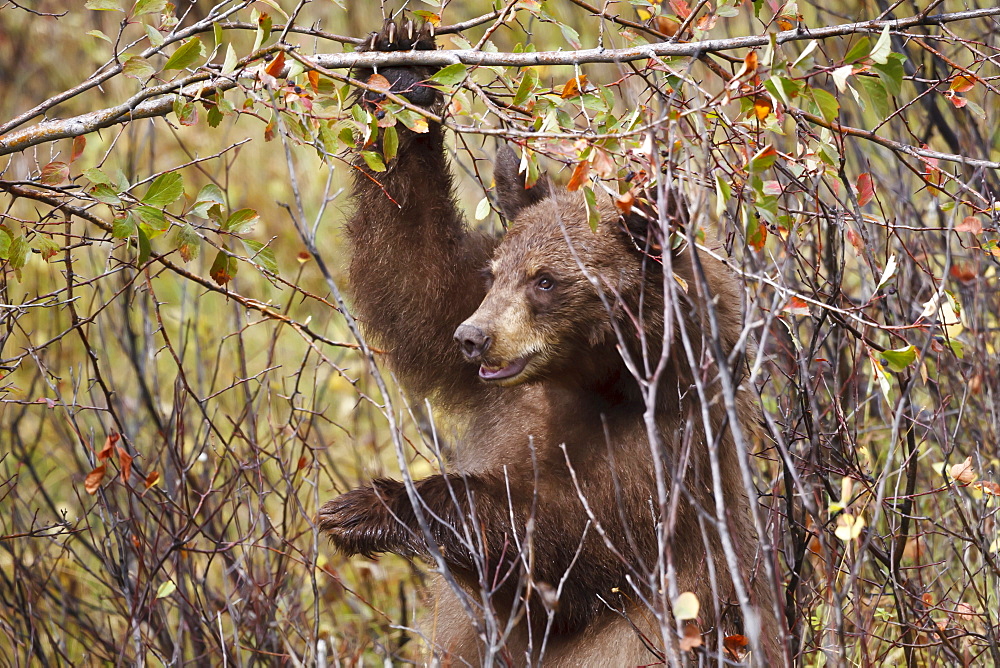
987, 487
108, 449
125, 464
963, 473
152, 478
93, 481
666, 25
970, 224
691, 639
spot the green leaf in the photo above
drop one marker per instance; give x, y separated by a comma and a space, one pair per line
123, 228
214, 116
828, 105
763, 159
148, 7
373, 160
187, 242
186, 111
166, 589
102, 192
891, 73
883, 47
96, 176
155, 38
783, 88
139, 68
858, 51
185, 56
876, 95
47, 248
483, 208
261, 255
224, 268
99, 35
390, 143
722, 194
145, 250
165, 190
17, 254
104, 5
210, 193
241, 222
899, 359
450, 75
151, 218
593, 215
230, 63
529, 80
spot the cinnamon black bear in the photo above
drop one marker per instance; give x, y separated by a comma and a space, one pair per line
518, 341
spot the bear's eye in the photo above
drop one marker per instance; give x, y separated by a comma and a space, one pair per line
545, 283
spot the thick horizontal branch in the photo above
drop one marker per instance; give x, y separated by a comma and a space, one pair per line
52, 130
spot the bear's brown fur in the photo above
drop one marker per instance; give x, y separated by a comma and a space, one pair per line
543, 327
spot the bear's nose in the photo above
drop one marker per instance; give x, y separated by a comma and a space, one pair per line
472, 340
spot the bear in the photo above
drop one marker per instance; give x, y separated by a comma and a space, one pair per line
569, 510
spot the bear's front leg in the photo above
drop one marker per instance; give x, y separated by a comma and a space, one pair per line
370, 520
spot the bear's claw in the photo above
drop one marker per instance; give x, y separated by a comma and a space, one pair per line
401, 36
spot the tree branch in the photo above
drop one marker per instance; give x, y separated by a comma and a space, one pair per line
52, 130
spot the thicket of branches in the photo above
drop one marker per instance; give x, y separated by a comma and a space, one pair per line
181, 385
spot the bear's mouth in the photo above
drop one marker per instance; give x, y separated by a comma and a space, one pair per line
503, 372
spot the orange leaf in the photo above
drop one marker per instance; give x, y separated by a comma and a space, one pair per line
750, 61
379, 83
93, 480
313, 77
736, 646
796, 306
301, 464
970, 224
624, 203
963, 473
987, 487
963, 83
963, 272
108, 448
866, 189
125, 464
152, 478
603, 164
762, 107
275, 67
580, 174
574, 87
78, 145
666, 25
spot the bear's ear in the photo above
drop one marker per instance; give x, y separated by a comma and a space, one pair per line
512, 196
642, 221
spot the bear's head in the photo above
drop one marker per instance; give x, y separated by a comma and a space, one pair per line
560, 293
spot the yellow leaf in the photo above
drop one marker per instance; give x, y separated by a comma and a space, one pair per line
686, 606
166, 589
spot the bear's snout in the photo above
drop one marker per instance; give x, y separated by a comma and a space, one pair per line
473, 341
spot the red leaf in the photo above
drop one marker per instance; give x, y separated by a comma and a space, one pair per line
78, 145
866, 189
796, 306
963, 83
93, 481
680, 8
579, 177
